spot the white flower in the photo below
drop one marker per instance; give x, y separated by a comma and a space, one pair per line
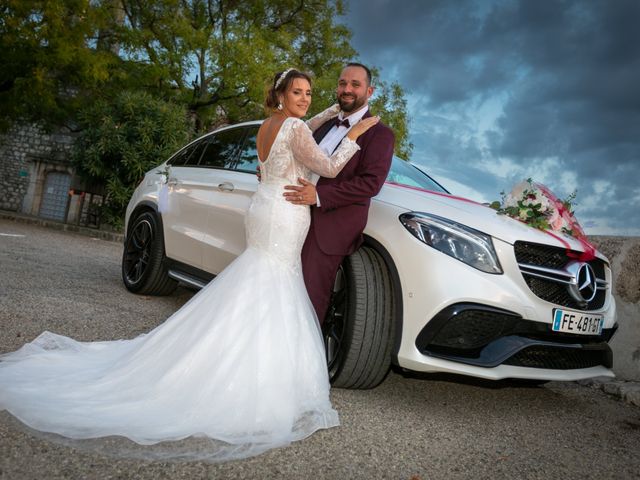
545, 203
510, 201
518, 190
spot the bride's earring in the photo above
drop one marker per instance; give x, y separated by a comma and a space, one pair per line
279, 106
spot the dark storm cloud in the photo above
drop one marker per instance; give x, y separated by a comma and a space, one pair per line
567, 73
429, 43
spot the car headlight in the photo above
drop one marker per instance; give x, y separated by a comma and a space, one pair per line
456, 240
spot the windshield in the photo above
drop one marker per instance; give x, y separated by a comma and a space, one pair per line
404, 173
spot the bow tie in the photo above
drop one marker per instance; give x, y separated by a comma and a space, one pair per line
343, 123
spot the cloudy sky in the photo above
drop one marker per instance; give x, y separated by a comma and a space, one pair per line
502, 90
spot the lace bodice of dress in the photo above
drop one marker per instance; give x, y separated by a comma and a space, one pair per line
294, 152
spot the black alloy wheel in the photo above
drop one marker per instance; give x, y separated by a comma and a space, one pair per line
333, 328
143, 269
137, 252
360, 326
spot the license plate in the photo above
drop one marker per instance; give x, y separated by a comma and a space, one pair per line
576, 322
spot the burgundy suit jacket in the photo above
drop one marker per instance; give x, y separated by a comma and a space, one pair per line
344, 201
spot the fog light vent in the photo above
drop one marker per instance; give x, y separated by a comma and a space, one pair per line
471, 329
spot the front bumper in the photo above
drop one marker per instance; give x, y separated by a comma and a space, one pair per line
514, 340
486, 337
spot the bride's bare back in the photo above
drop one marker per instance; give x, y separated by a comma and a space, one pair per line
267, 135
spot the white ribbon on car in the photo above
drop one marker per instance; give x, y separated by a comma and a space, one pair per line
163, 198
163, 193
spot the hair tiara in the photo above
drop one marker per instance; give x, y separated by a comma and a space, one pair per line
282, 76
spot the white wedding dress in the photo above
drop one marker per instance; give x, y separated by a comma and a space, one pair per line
239, 369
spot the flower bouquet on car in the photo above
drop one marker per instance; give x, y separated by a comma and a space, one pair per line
535, 205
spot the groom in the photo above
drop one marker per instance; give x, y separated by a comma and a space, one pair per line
340, 206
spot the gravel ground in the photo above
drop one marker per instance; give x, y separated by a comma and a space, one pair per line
411, 427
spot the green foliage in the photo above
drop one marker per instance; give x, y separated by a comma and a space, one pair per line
123, 139
218, 57
49, 59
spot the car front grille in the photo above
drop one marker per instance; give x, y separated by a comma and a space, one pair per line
559, 358
552, 286
543, 255
557, 293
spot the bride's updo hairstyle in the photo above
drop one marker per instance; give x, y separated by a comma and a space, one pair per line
281, 83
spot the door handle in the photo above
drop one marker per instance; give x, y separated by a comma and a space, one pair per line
226, 187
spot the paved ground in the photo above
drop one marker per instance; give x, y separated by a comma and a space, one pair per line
424, 427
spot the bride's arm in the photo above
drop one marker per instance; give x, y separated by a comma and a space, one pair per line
306, 151
315, 122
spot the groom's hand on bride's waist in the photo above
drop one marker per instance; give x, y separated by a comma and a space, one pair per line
303, 194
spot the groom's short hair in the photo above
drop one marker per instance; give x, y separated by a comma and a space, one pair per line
366, 69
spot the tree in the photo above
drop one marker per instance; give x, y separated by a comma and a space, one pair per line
51, 63
122, 139
218, 57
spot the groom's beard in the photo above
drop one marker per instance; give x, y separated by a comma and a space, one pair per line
350, 103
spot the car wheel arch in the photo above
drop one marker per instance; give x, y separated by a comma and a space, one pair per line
144, 206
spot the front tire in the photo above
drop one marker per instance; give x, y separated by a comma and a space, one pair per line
143, 267
359, 329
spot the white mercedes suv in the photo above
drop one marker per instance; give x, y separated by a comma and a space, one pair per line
441, 284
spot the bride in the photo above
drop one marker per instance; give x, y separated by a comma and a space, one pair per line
240, 368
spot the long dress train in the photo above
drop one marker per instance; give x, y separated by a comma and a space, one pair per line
239, 369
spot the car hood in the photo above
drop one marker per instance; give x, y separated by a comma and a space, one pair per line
472, 214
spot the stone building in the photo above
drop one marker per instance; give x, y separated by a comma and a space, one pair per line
37, 177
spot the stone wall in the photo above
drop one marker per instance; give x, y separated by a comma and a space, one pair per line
624, 255
27, 154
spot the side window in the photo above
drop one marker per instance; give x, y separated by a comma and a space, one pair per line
222, 148
188, 156
248, 158
195, 152
179, 158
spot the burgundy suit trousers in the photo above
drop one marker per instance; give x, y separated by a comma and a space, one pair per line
319, 271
